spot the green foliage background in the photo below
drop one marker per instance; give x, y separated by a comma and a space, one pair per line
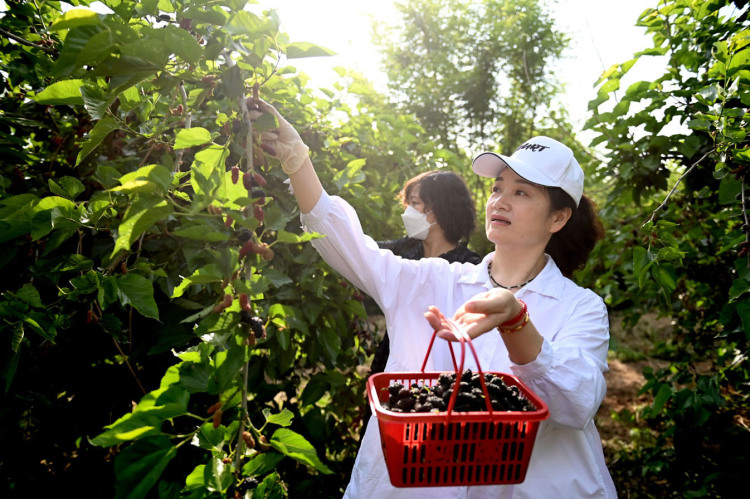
123, 232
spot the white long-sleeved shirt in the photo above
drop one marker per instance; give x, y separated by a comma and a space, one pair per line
567, 460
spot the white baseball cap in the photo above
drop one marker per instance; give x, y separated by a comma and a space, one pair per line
540, 160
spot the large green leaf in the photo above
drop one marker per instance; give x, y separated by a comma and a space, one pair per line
149, 178
138, 291
16, 215
76, 39
97, 134
131, 426
166, 403
76, 17
262, 463
61, 92
189, 137
294, 445
141, 215
183, 44
214, 477
140, 465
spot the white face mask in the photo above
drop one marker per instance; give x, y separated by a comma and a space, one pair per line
416, 223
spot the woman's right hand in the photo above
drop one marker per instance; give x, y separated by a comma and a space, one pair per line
288, 145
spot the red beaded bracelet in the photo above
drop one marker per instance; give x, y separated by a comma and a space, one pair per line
518, 317
522, 325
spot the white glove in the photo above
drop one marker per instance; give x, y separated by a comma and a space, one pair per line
288, 145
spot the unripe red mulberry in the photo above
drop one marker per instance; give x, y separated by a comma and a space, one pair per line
258, 212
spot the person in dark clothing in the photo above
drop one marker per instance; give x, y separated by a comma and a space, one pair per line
439, 219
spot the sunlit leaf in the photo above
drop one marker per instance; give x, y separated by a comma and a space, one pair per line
61, 92
141, 215
74, 18
306, 49
189, 137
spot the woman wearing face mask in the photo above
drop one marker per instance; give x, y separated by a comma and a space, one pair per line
439, 218
526, 315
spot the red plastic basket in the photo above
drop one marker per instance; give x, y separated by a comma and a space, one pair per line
454, 448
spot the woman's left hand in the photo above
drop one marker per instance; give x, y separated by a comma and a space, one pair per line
477, 316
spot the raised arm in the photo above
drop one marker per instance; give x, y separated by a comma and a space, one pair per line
295, 160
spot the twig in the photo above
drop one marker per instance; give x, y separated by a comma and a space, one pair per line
188, 121
23, 41
243, 416
674, 188
127, 362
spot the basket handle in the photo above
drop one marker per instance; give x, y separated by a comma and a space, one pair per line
463, 337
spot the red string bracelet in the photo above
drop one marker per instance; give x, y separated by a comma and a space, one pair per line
512, 324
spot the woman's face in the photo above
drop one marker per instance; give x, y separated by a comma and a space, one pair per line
415, 201
518, 212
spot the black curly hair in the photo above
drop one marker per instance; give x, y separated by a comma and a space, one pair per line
445, 194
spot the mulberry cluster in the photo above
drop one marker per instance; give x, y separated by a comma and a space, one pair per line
470, 396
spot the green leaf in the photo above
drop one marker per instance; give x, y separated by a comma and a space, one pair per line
233, 83
262, 463
189, 137
201, 233
165, 403
29, 294
61, 93
16, 216
141, 215
149, 178
283, 418
638, 88
211, 438
96, 100
666, 278
69, 187
129, 427
228, 366
183, 44
100, 131
140, 465
743, 310
729, 189
244, 23
76, 17
294, 445
138, 291
305, 49
76, 39
194, 376
739, 287
315, 389
660, 399
283, 236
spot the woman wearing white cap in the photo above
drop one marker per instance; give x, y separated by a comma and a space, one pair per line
550, 333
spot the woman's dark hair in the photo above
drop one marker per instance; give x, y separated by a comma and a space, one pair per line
571, 246
445, 194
